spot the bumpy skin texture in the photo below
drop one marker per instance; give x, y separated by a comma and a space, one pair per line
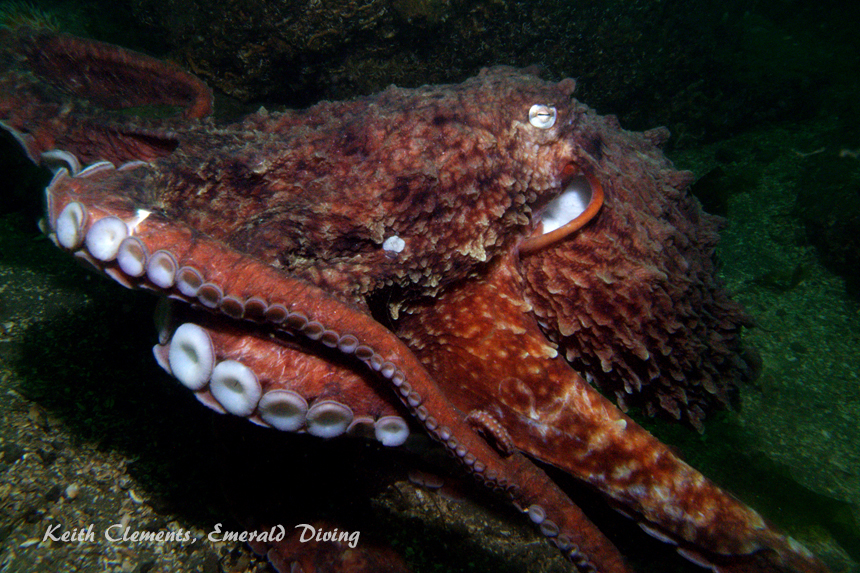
317, 192
278, 224
642, 311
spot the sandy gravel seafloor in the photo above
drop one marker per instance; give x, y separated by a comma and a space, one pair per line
94, 433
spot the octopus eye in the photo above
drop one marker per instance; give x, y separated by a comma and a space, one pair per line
542, 116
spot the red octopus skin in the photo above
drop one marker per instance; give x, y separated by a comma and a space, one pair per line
280, 223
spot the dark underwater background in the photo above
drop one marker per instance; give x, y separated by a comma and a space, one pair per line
763, 104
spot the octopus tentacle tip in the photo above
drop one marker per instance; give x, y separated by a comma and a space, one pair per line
236, 387
391, 430
104, 238
568, 213
191, 356
283, 409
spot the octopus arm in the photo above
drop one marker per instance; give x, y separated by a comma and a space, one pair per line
494, 347
197, 269
58, 90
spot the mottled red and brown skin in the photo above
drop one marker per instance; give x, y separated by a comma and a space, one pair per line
288, 214
316, 192
61, 93
643, 311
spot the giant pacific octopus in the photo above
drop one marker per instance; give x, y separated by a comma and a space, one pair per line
381, 266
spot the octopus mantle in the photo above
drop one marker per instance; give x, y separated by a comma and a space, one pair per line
379, 266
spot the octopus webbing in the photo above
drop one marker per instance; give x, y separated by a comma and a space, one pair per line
391, 264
